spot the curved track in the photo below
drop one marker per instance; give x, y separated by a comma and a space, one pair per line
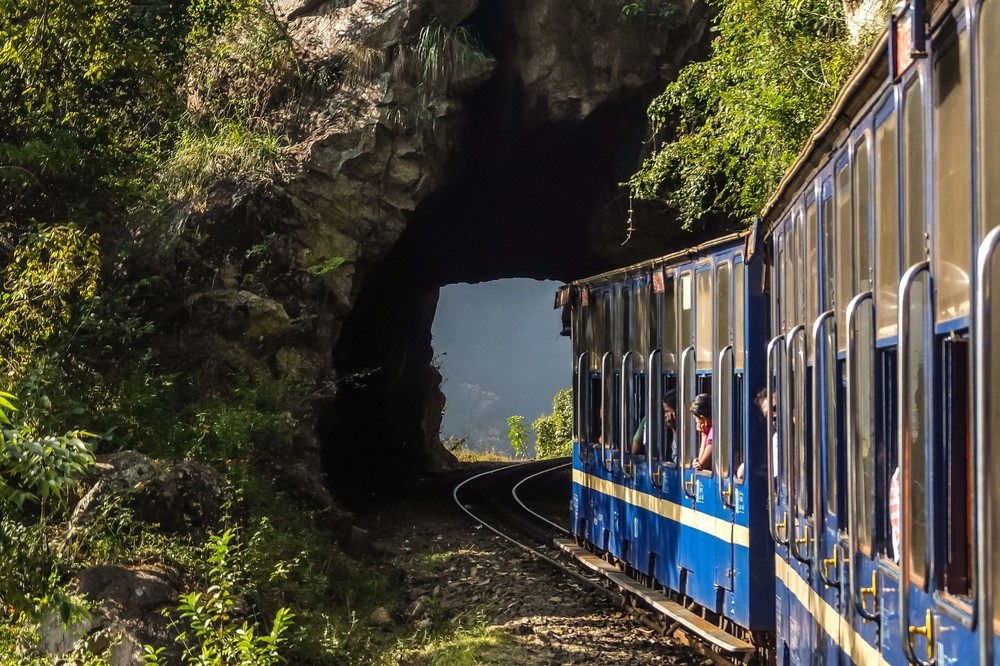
528, 505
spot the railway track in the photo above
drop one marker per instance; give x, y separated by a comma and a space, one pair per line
527, 504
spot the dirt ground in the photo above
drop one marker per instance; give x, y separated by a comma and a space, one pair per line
460, 573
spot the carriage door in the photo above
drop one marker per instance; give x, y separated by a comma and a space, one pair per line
936, 607
856, 342
723, 387
694, 543
778, 508
987, 362
582, 404
798, 367
670, 345
825, 409
636, 394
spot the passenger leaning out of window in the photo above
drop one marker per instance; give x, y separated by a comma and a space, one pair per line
701, 409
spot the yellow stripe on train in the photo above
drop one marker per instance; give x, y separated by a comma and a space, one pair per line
826, 616
738, 535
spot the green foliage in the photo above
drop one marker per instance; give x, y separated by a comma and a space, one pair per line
236, 74
738, 120
53, 273
517, 433
441, 57
215, 635
436, 64
241, 70
227, 150
36, 475
85, 86
659, 13
554, 432
327, 266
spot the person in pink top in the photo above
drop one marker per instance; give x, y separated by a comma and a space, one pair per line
701, 409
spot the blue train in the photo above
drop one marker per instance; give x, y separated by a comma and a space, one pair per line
849, 509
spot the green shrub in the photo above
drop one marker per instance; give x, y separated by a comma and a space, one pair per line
213, 634
554, 432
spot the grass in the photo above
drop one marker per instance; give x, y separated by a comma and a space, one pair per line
470, 456
227, 151
460, 646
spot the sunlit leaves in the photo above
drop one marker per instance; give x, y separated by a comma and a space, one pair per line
737, 120
53, 271
554, 432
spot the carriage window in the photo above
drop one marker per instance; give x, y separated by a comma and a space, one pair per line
953, 189
607, 409
581, 373
914, 177
989, 69
809, 267
887, 453
722, 429
864, 424
993, 413
916, 366
833, 445
739, 316
914, 184
955, 411
862, 218
844, 258
627, 416
798, 410
641, 321
668, 326
625, 321
887, 223
722, 322
829, 271
704, 308
687, 325
781, 290
989, 120
785, 296
739, 322
686, 337
796, 302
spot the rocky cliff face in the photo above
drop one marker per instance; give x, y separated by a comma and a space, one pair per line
506, 165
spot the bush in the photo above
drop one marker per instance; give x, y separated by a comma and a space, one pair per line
215, 635
554, 432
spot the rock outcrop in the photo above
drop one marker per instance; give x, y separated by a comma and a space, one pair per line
506, 165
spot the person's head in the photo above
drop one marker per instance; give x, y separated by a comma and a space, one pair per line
765, 402
669, 413
701, 409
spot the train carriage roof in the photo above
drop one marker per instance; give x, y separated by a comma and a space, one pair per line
681, 256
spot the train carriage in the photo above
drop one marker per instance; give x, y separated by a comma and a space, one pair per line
676, 326
862, 300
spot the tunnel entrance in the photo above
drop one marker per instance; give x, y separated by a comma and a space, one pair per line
548, 207
527, 197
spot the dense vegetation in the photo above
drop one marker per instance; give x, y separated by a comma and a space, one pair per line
115, 116
727, 128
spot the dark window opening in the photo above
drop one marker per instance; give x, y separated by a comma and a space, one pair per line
955, 493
